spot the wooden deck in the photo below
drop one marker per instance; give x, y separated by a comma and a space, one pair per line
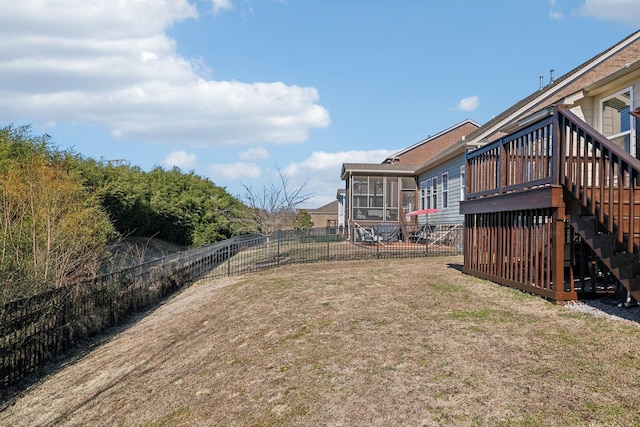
571, 186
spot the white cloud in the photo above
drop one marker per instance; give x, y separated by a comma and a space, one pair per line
325, 162
554, 13
110, 64
234, 171
320, 172
254, 154
627, 11
468, 104
181, 159
219, 5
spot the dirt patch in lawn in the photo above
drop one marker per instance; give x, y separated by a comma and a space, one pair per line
376, 343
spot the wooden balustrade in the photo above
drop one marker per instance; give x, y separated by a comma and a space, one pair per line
602, 176
515, 203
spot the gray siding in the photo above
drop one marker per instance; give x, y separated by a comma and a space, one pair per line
450, 215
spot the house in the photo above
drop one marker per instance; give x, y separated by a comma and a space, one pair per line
552, 202
385, 192
326, 216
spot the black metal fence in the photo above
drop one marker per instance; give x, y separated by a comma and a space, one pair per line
35, 330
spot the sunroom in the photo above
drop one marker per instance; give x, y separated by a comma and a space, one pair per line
380, 195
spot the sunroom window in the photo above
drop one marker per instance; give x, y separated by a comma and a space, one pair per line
368, 198
379, 198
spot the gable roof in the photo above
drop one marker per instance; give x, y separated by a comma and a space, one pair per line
394, 166
545, 97
433, 137
328, 209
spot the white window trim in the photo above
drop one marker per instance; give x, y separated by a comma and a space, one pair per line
434, 192
463, 183
423, 194
445, 193
630, 132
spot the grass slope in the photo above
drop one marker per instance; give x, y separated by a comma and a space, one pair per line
376, 343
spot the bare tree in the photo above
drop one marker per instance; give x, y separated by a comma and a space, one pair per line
273, 208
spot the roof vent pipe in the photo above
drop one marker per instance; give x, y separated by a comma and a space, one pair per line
551, 76
541, 82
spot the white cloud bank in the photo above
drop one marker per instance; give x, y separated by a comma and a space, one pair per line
320, 172
254, 154
110, 64
234, 171
323, 161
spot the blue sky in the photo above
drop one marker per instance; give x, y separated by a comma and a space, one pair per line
236, 90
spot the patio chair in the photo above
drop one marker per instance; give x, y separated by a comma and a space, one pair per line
421, 235
367, 235
388, 232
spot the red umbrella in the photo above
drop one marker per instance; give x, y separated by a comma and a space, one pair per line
422, 212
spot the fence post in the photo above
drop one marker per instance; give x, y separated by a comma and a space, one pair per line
228, 259
278, 254
328, 246
426, 240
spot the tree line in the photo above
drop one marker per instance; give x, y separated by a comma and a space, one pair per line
60, 211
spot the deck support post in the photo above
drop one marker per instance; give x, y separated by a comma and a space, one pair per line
557, 252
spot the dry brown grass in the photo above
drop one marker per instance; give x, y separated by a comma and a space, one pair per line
377, 343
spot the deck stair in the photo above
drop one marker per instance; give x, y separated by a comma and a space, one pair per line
605, 245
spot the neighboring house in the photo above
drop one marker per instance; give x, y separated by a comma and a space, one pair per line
553, 204
386, 192
325, 216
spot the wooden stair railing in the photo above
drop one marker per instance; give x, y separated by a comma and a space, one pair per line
605, 182
604, 245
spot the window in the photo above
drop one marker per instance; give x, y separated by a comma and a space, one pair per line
463, 183
616, 121
376, 185
445, 190
423, 194
434, 192
427, 192
367, 198
360, 191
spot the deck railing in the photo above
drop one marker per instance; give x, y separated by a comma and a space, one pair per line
558, 153
602, 176
519, 161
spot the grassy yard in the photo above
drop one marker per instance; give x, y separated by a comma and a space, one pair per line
403, 342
